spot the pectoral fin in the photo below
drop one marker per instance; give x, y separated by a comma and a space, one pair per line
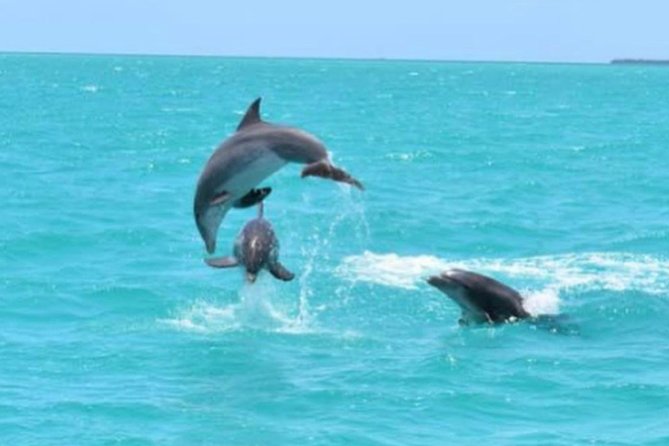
280, 272
254, 197
222, 262
325, 169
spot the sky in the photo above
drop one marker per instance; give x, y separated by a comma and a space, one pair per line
497, 30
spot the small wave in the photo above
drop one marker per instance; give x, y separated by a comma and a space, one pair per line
178, 109
547, 275
409, 156
90, 88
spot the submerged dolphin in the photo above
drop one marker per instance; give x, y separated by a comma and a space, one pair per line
256, 248
481, 298
255, 151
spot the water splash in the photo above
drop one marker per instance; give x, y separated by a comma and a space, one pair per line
258, 308
318, 250
544, 301
264, 305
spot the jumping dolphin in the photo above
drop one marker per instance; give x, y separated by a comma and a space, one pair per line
254, 152
256, 248
481, 298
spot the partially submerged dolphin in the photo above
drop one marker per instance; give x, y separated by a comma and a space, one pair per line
481, 298
255, 151
256, 248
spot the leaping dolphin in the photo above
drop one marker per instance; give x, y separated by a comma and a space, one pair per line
481, 298
256, 248
254, 152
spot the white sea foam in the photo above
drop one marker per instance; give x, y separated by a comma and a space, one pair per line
203, 317
90, 88
253, 311
389, 269
548, 275
545, 301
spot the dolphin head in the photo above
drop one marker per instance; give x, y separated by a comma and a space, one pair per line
454, 285
445, 281
255, 255
256, 246
481, 298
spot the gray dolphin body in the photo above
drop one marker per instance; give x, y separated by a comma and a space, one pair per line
256, 248
481, 298
255, 151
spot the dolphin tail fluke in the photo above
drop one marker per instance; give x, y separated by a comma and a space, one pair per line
325, 169
280, 272
222, 262
254, 197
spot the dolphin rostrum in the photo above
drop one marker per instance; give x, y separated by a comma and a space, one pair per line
254, 152
256, 248
481, 298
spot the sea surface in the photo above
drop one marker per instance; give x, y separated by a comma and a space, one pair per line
551, 178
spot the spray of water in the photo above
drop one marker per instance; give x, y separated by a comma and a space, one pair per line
267, 305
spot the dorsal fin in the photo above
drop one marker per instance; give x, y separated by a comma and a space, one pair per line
261, 207
252, 115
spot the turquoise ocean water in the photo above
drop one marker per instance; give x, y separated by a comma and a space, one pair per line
551, 178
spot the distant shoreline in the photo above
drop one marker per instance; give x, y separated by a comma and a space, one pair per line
622, 61
641, 61
300, 57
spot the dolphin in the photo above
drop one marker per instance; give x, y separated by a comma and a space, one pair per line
481, 298
254, 152
256, 248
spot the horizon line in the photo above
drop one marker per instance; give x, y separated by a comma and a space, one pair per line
284, 57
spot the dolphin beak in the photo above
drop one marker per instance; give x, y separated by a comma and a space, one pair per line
251, 277
440, 280
211, 245
209, 240
433, 280
208, 220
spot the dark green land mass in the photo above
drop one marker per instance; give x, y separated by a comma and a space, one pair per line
641, 61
